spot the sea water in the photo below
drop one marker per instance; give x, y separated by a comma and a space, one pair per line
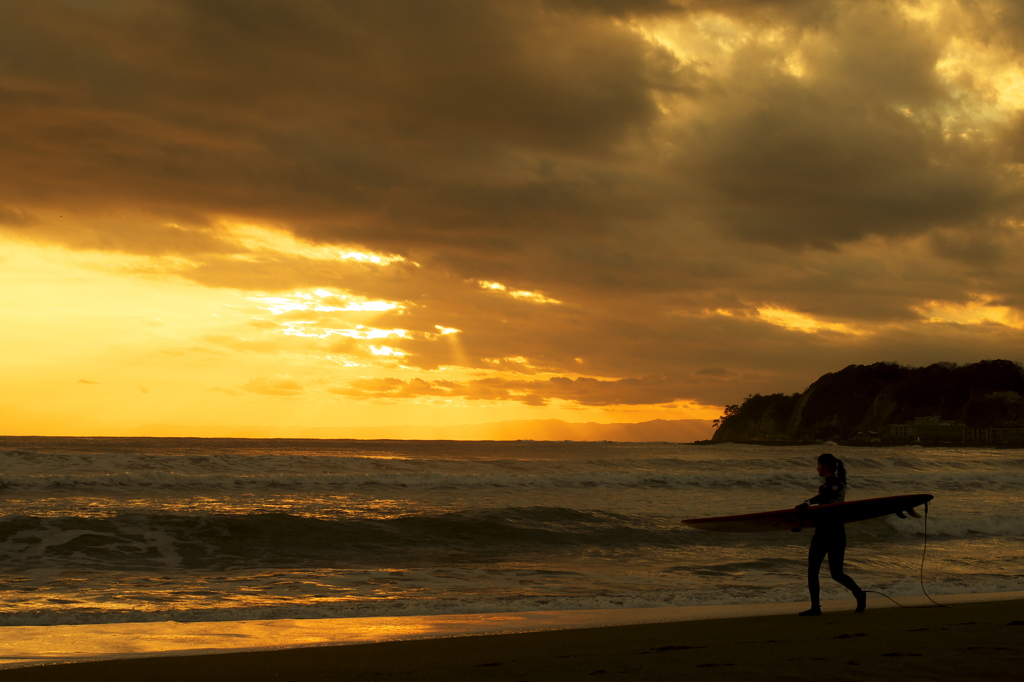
108, 530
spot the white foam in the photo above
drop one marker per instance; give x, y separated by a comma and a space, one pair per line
39, 645
959, 526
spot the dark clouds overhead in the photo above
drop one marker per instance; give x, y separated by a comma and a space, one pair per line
663, 170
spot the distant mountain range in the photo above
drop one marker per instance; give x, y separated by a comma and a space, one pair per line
18, 421
864, 399
667, 430
658, 430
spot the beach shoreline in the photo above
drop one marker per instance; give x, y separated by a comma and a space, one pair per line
765, 641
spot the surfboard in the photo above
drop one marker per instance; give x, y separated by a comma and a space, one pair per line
795, 519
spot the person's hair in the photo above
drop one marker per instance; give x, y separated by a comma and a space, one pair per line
834, 464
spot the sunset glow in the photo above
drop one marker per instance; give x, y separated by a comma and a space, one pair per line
323, 218
789, 319
981, 310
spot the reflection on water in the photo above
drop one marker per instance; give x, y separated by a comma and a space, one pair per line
104, 530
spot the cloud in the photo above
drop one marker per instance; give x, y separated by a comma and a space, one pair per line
331, 108
620, 8
584, 391
15, 218
657, 175
273, 386
527, 128
843, 142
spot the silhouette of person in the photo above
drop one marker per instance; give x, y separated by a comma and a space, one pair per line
829, 536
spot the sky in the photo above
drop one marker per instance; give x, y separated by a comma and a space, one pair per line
249, 216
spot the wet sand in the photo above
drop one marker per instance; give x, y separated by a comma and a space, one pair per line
969, 641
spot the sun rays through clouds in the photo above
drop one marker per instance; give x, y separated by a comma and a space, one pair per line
320, 214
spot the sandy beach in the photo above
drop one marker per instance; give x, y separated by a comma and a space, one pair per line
981, 641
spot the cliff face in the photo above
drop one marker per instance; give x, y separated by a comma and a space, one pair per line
761, 417
865, 398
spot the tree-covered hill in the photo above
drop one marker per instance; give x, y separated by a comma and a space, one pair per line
863, 399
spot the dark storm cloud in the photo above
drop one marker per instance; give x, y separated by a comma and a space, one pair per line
852, 148
619, 8
307, 110
350, 122
739, 8
998, 21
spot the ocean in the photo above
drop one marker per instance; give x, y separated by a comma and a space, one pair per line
108, 530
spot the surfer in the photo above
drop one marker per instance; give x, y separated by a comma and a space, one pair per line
829, 538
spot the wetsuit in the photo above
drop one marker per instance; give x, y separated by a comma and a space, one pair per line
829, 540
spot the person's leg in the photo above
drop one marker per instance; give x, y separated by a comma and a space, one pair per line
815, 556
836, 556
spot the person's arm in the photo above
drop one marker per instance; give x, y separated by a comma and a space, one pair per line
829, 493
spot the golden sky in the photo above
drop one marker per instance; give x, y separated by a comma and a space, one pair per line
250, 216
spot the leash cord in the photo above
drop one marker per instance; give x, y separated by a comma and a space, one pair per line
920, 578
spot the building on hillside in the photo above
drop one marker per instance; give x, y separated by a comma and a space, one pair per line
937, 430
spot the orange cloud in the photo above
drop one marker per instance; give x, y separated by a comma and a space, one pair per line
273, 386
582, 390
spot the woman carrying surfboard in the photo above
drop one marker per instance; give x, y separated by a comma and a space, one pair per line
829, 537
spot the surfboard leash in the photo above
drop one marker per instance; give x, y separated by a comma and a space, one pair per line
920, 578
924, 551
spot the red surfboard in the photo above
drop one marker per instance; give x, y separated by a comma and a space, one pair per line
795, 519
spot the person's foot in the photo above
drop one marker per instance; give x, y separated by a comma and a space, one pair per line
862, 601
813, 611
